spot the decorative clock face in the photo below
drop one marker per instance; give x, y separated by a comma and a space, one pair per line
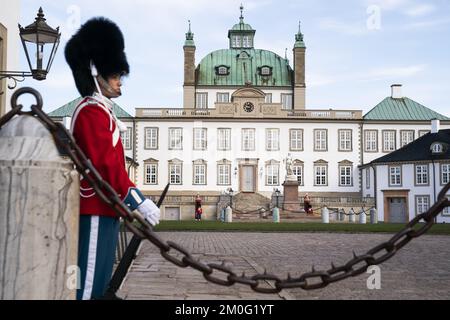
249, 107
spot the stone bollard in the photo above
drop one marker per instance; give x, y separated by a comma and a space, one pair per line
229, 215
351, 216
325, 215
362, 218
276, 215
39, 214
341, 215
373, 216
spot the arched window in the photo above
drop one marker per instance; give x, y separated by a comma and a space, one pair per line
437, 148
222, 70
265, 71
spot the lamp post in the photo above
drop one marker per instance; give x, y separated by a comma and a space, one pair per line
277, 194
230, 193
38, 34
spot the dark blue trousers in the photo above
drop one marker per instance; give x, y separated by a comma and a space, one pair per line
96, 254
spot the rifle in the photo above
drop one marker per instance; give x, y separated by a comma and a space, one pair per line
127, 259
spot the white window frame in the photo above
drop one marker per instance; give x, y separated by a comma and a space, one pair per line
286, 101
248, 139
265, 71
151, 138
445, 173
176, 171
223, 97
421, 175
272, 175
422, 204
200, 139
236, 41
175, 138
151, 173
126, 138
268, 98
224, 174
395, 176
272, 139
446, 211
346, 176
199, 174
320, 140
370, 140
437, 148
406, 137
201, 100
246, 41
222, 71
297, 170
423, 132
320, 175
345, 139
224, 139
296, 139
389, 143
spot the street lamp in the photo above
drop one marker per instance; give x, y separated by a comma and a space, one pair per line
38, 34
230, 193
277, 194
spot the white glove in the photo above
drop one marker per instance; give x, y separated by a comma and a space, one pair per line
150, 212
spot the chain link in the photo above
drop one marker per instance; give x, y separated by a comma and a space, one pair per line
141, 228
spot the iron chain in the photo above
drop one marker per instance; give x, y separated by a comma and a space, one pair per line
141, 228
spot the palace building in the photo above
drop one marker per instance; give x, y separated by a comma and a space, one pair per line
244, 111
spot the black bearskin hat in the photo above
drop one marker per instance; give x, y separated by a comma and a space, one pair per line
101, 41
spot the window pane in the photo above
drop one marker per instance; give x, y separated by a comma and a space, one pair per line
175, 138
320, 140
286, 101
345, 140
272, 136
296, 139
223, 97
202, 100
248, 139
388, 141
200, 136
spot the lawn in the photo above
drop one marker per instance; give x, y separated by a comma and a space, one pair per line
217, 226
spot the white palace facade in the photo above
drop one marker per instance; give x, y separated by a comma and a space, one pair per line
243, 112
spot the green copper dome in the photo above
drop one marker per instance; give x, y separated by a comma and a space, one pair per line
241, 26
244, 68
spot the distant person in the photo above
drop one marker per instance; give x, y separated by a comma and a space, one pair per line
307, 204
198, 214
198, 201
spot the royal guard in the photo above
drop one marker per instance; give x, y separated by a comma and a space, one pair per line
98, 62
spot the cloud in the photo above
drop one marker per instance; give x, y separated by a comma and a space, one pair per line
318, 80
420, 10
426, 24
389, 5
393, 73
343, 28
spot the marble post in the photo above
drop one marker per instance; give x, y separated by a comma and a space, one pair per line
39, 214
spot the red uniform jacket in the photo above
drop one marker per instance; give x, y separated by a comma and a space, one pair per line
98, 136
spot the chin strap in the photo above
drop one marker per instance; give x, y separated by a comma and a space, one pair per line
94, 72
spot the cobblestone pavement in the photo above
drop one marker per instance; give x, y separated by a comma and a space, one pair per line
421, 270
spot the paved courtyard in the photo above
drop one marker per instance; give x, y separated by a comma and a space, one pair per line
421, 270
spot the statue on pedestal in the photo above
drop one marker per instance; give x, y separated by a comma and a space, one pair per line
290, 176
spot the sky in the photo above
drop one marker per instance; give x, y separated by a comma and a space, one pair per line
356, 49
